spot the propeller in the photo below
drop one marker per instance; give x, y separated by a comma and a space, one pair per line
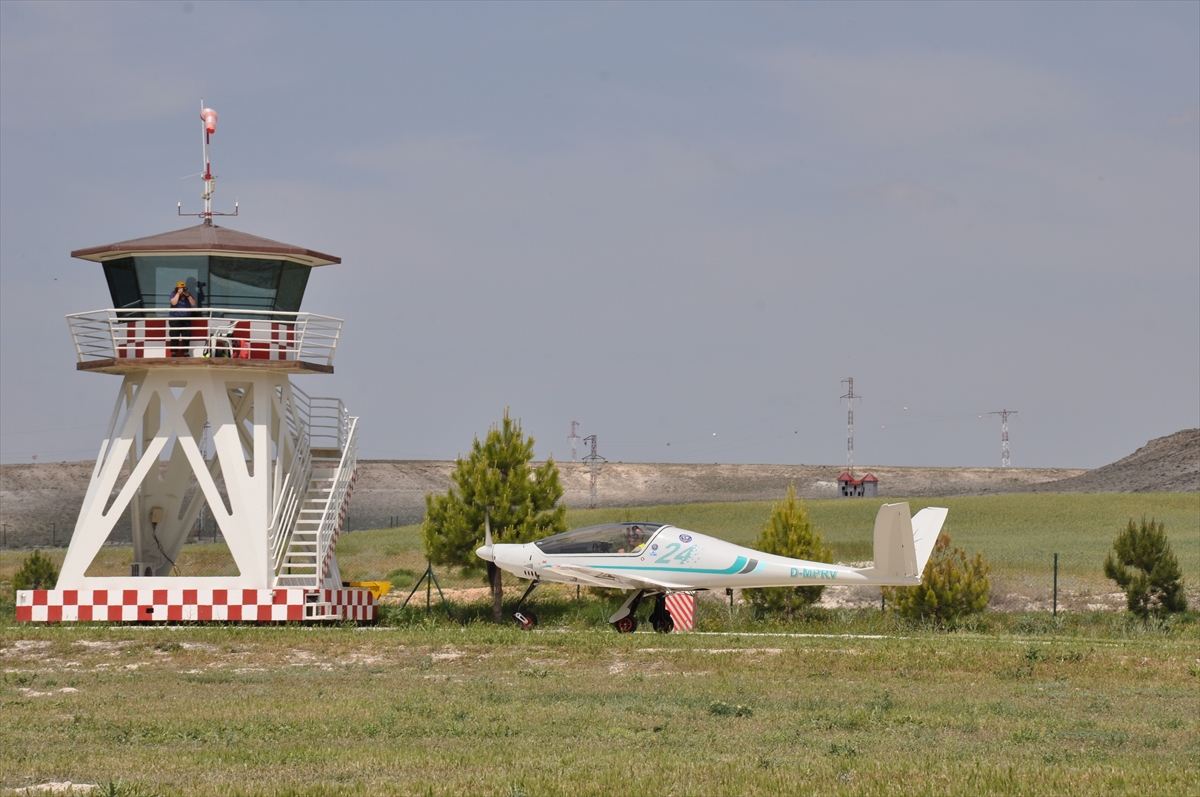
485, 553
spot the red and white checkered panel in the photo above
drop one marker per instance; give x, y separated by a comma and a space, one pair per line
682, 606
184, 605
252, 339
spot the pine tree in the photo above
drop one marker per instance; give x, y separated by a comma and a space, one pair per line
496, 477
789, 532
951, 586
1143, 565
36, 572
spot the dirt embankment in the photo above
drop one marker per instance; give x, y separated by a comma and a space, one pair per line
1165, 464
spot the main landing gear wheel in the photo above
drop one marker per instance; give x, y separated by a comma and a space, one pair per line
526, 620
660, 618
626, 625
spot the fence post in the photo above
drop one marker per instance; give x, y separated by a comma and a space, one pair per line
1055, 585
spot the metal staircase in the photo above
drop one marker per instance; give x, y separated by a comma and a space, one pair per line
314, 498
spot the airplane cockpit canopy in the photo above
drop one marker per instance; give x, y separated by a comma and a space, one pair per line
606, 538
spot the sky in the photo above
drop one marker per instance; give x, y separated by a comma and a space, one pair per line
681, 225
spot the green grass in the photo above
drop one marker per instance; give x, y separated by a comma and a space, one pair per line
487, 710
1009, 702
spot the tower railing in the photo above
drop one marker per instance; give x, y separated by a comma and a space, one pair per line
205, 332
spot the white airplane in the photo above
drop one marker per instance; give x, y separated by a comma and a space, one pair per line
655, 559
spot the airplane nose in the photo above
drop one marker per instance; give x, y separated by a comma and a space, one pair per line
484, 552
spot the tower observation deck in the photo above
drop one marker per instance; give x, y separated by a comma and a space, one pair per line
205, 329
247, 292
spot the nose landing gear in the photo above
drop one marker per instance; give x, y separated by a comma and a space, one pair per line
626, 625
526, 620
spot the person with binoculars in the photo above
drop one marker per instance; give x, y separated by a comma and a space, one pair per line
180, 320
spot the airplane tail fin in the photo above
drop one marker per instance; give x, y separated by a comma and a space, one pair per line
903, 543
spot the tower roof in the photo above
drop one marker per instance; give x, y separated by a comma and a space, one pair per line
206, 238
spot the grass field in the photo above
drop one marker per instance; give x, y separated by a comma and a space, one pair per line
487, 710
836, 701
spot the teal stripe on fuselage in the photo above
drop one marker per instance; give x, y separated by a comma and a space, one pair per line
737, 565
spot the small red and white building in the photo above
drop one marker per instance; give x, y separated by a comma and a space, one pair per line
850, 487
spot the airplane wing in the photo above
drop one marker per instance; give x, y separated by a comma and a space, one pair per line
599, 578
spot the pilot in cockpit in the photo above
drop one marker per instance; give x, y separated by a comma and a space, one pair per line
634, 540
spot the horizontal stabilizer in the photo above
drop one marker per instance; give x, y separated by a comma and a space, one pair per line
926, 526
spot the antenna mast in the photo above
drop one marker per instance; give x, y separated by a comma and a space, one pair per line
574, 438
209, 117
850, 424
1004, 460
593, 459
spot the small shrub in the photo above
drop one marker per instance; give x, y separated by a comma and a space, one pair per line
720, 708
789, 532
120, 788
402, 576
1144, 566
1035, 655
951, 587
881, 705
37, 572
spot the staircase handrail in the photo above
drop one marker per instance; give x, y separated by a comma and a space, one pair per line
300, 423
324, 419
289, 502
330, 518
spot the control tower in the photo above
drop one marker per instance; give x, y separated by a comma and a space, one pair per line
205, 330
